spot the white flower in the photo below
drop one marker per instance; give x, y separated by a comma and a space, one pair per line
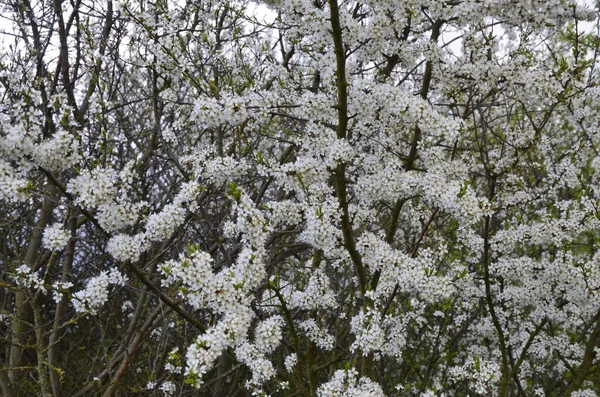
262, 369
584, 393
12, 187
25, 277
482, 375
55, 237
369, 334
318, 335
268, 334
123, 247
95, 187
345, 383
95, 293
317, 294
168, 388
58, 290
290, 362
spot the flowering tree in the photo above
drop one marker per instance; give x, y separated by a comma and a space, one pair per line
325, 198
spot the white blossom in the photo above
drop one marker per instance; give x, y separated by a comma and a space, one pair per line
346, 383
290, 362
96, 291
55, 237
168, 388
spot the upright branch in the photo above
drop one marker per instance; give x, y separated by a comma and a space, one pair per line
343, 133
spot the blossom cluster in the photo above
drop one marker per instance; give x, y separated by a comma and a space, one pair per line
55, 237
95, 293
347, 383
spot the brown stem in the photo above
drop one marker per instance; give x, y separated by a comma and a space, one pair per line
61, 309
343, 133
131, 350
588, 358
23, 315
506, 370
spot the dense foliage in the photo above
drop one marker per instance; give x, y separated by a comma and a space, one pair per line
298, 198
